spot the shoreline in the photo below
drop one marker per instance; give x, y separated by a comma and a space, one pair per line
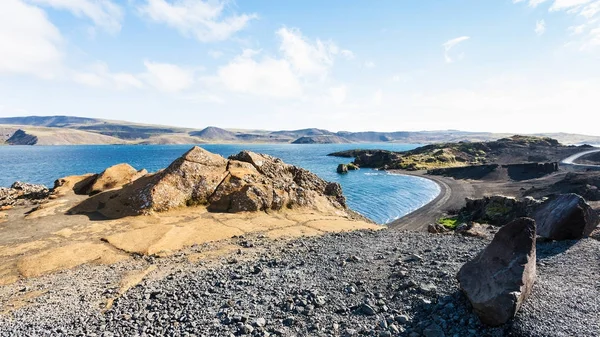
453, 193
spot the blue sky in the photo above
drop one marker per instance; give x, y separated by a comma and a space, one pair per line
496, 65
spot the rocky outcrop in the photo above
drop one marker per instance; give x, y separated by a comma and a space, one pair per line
560, 217
497, 210
245, 182
89, 184
501, 277
114, 177
342, 168
22, 191
74, 184
20, 137
565, 217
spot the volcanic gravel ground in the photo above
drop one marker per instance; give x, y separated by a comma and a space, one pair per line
373, 283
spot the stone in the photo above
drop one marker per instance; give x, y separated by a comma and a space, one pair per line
342, 168
367, 310
501, 277
114, 177
436, 229
260, 322
565, 217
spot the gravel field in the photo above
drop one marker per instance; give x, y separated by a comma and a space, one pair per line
373, 283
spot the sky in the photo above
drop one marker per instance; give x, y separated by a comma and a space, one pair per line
516, 66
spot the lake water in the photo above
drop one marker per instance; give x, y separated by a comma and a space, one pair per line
380, 196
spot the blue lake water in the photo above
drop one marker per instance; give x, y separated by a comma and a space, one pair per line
380, 196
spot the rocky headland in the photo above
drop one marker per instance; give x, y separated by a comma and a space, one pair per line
252, 246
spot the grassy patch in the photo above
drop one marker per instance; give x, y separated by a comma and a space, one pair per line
450, 223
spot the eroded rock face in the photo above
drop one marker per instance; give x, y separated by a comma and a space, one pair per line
245, 182
501, 277
565, 217
189, 180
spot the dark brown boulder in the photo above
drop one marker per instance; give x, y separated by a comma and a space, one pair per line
565, 217
501, 277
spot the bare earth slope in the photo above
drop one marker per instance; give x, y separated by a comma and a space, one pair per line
30, 135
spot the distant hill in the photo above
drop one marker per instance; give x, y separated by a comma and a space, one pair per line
54, 130
214, 133
302, 133
49, 121
326, 139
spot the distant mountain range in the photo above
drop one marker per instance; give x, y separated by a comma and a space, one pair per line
64, 130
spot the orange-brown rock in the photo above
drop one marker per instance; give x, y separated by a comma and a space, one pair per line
114, 177
246, 182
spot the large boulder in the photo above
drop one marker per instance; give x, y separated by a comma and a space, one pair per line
74, 184
497, 210
565, 217
245, 182
501, 277
114, 177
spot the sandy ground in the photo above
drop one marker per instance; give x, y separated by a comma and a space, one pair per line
42, 240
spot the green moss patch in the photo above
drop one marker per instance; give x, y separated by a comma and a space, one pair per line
450, 223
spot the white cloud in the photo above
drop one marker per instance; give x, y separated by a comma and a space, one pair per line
583, 34
560, 5
301, 71
168, 77
29, 42
590, 10
348, 54
305, 57
99, 75
448, 45
576, 30
369, 64
267, 77
205, 20
104, 13
540, 27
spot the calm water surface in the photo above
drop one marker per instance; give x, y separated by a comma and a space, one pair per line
380, 196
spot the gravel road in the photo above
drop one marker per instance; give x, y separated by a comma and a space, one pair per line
384, 283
